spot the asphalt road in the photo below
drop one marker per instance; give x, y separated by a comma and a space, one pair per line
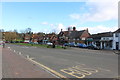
73, 62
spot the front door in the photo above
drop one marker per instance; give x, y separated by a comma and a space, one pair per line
117, 45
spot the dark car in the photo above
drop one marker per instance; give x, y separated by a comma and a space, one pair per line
66, 44
93, 47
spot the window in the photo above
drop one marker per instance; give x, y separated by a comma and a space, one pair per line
116, 35
83, 38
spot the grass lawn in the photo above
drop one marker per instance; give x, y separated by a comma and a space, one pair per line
37, 45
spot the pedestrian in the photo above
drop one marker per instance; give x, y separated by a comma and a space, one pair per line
53, 44
3, 44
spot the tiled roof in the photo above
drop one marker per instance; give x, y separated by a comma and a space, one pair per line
99, 35
72, 34
117, 31
76, 34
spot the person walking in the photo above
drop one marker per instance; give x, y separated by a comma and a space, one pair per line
3, 44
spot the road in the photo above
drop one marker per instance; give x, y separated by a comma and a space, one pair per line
73, 62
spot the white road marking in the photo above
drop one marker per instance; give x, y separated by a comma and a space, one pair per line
19, 53
14, 50
104, 69
8, 47
27, 56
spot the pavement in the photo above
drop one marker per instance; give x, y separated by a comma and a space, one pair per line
15, 66
71, 63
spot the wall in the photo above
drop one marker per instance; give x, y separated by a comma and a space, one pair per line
85, 34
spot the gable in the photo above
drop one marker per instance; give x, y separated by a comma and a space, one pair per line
85, 34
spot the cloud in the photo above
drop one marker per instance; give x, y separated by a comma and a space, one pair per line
98, 11
98, 29
51, 25
57, 27
75, 16
44, 23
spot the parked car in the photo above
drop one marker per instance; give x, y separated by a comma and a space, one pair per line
49, 44
35, 42
66, 44
81, 45
1, 42
72, 45
7, 42
93, 47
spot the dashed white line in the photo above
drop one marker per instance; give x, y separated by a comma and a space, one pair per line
27, 56
14, 51
19, 53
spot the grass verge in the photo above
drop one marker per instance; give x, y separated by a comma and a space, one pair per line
38, 45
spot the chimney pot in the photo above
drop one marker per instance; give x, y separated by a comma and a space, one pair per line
74, 28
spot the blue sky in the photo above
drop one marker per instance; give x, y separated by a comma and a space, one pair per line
52, 16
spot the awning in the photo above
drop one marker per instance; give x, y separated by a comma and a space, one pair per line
89, 39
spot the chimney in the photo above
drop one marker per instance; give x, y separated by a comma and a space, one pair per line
68, 28
61, 30
74, 28
87, 29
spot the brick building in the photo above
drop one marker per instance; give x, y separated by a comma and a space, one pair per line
74, 35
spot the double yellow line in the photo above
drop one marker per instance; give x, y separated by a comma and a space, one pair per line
47, 68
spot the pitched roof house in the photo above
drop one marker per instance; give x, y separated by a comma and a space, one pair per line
74, 35
102, 40
106, 40
116, 39
97, 37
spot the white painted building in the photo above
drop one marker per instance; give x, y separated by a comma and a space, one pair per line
111, 42
116, 40
107, 40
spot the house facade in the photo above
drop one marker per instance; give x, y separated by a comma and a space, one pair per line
102, 40
74, 36
106, 40
116, 39
27, 38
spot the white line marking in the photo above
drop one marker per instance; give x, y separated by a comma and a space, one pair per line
8, 47
27, 56
103, 69
14, 50
19, 53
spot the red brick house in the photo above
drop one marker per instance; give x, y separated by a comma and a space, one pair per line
51, 37
74, 35
35, 38
27, 38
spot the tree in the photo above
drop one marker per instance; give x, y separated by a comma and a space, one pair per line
1, 30
10, 36
28, 30
15, 30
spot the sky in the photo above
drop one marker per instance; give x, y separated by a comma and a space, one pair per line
53, 16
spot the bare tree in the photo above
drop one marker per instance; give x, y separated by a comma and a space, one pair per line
10, 36
1, 30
